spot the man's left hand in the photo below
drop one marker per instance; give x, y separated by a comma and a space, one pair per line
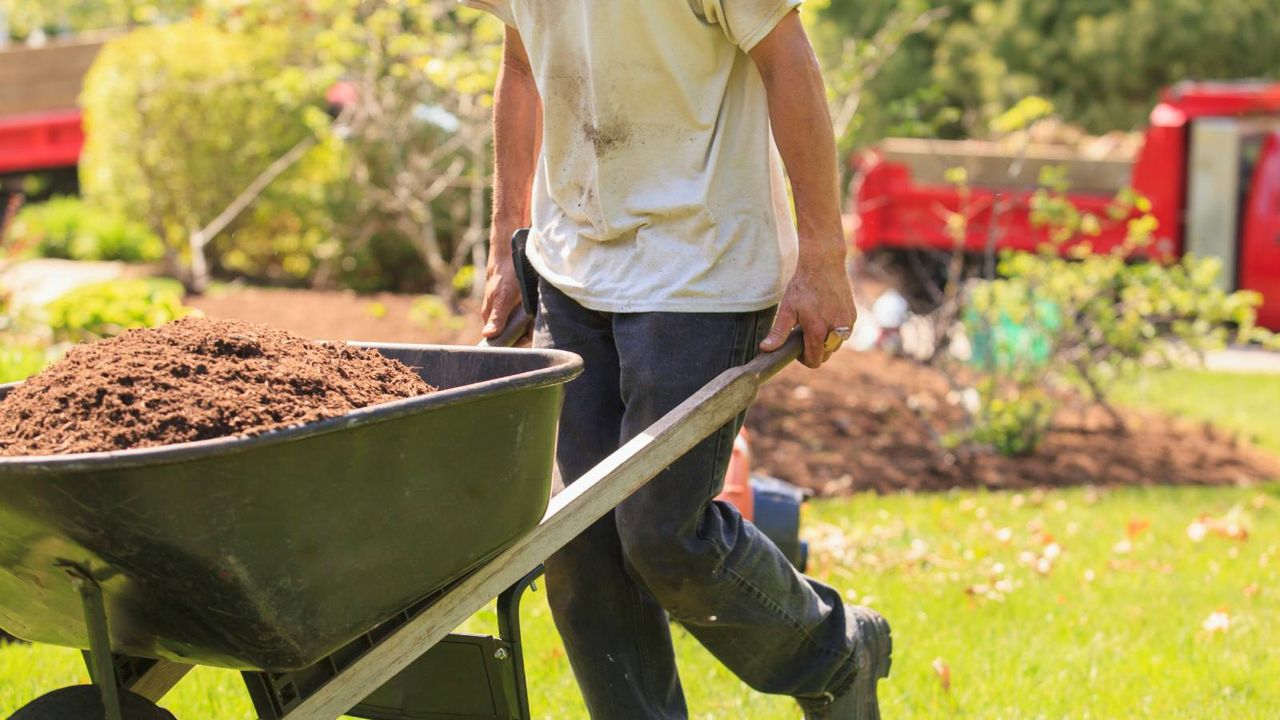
819, 299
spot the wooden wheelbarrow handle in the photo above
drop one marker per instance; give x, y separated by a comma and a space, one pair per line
571, 512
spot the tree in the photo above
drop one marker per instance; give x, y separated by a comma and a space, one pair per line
417, 127
180, 120
73, 16
1102, 63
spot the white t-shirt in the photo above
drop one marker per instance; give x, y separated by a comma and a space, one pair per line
659, 187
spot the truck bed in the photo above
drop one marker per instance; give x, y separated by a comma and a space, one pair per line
997, 165
45, 78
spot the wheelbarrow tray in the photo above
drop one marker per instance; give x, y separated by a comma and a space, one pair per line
270, 552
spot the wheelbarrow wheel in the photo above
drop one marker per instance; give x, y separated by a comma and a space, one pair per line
84, 702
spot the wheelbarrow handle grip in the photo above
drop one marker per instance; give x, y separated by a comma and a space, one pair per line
768, 364
517, 325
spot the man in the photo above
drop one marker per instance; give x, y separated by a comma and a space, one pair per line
633, 137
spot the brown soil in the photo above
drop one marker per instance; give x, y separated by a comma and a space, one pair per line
192, 379
336, 315
850, 427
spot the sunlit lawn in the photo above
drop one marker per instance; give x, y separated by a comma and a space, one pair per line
1244, 402
1151, 603
1112, 627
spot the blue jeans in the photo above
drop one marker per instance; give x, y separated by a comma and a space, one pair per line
671, 548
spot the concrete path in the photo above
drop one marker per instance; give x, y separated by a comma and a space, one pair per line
1244, 360
34, 283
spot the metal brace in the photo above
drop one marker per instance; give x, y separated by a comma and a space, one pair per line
101, 668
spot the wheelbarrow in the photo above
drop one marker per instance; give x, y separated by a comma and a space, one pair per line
329, 563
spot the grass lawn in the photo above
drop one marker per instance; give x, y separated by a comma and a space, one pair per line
1133, 603
1077, 604
1245, 402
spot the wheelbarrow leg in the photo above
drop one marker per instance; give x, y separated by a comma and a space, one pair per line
509, 630
98, 657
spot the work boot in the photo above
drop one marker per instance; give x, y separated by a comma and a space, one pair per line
872, 656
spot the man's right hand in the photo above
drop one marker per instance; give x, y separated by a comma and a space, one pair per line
501, 293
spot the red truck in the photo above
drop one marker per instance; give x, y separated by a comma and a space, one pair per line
39, 120
1209, 163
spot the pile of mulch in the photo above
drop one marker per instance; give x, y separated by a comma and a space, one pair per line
193, 379
851, 426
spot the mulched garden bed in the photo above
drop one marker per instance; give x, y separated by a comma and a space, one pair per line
851, 427
193, 379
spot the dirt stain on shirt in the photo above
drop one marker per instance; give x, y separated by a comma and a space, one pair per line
607, 138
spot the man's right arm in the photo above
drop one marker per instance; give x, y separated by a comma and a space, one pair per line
517, 135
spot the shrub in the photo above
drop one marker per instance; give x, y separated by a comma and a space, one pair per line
1088, 321
100, 310
431, 312
19, 361
1100, 63
179, 121
66, 227
1067, 320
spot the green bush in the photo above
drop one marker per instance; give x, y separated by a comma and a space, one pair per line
66, 227
100, 310
1101, 62
1066, 317
18, 361
1088, 322
1013, 417
180, 119
27, 16
431, 312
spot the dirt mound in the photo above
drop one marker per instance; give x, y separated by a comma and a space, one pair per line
338, 315
193, 379
851, 427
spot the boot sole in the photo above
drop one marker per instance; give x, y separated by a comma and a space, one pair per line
875, 649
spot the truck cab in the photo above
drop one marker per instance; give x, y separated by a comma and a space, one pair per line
1231, 133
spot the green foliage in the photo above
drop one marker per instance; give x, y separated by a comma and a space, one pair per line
66, 227
431, 311
464, 280
1066, 316
24, 342
1101, 64
101, 310
181, 118
385, 261
1022, 115
1111, 319
392, 196
73, 16
1013, 418
19, 361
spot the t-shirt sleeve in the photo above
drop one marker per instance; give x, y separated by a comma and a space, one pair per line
500, 9
747, 22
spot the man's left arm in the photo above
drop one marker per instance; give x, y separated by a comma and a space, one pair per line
819, 298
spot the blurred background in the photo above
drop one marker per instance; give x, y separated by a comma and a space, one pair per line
1050, 453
